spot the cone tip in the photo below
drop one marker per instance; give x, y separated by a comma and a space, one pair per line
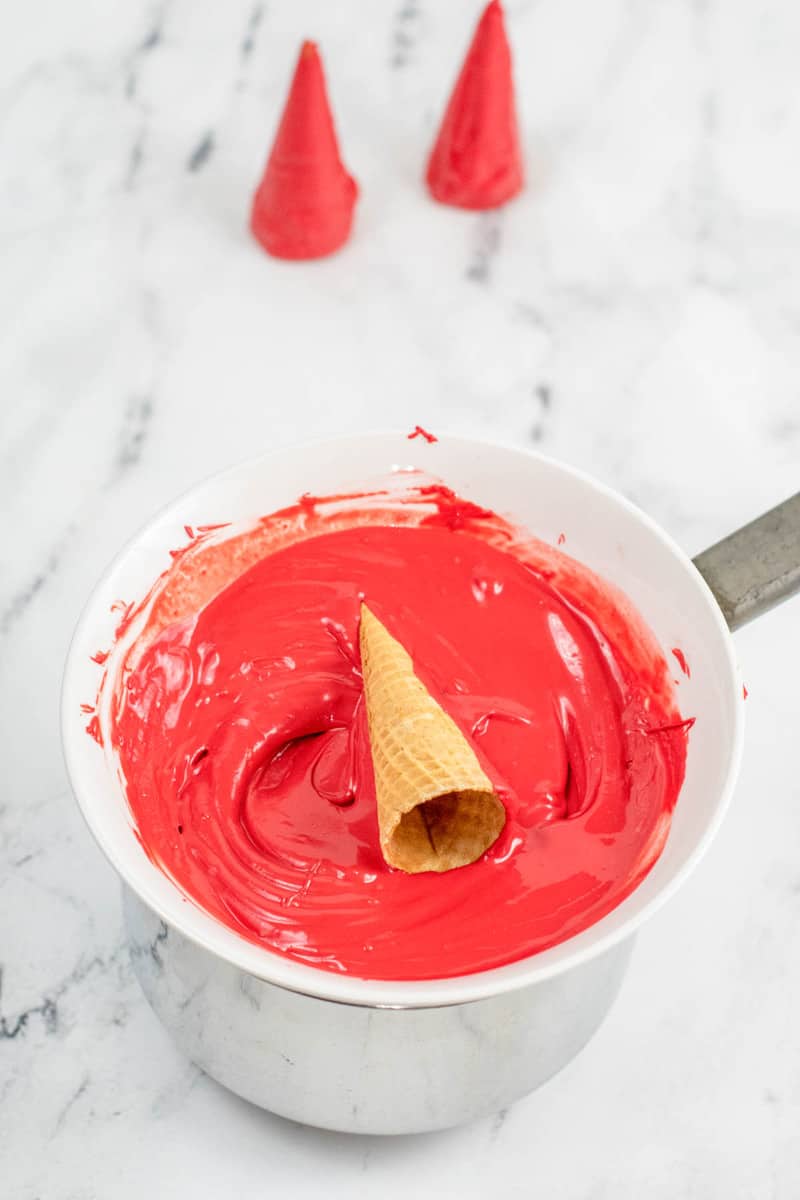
492, 23
493, 14
309, 58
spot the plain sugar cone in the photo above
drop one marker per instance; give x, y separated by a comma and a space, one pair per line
437, 809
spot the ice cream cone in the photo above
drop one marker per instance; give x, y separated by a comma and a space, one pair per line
437, 809
303, 207
476, 161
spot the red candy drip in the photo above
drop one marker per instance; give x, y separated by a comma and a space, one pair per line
476, 161
418, 431
94, 731
682, 663
303, 207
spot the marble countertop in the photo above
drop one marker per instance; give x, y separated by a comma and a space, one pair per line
636, 313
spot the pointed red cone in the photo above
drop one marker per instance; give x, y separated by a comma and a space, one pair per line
303, 207
476, 161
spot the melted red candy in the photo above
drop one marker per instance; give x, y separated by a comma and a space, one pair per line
418, 431
94, 730
239, 724
303, 207
476, 161
681, 660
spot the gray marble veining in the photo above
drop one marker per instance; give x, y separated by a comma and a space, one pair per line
636, 312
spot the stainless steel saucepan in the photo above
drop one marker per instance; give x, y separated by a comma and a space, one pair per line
380, 1057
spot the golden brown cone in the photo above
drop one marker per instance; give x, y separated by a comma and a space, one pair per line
437, 808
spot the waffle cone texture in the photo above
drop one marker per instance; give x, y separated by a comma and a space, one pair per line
437, 809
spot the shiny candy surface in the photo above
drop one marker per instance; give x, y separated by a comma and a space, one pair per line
239, 726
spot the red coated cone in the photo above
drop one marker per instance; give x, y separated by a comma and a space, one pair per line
303, 207
476, 160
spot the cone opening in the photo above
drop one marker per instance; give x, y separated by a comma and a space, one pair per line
443, 833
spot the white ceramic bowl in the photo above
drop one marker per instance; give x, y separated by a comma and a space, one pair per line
602, 529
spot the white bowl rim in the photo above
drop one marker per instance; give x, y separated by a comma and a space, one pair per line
311, 981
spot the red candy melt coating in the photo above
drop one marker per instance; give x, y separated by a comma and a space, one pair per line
476, 161
303, 207
239, 723
418, 431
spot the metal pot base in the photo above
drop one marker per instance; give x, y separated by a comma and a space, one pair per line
365, 1070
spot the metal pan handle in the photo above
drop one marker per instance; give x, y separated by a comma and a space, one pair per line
756, 567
